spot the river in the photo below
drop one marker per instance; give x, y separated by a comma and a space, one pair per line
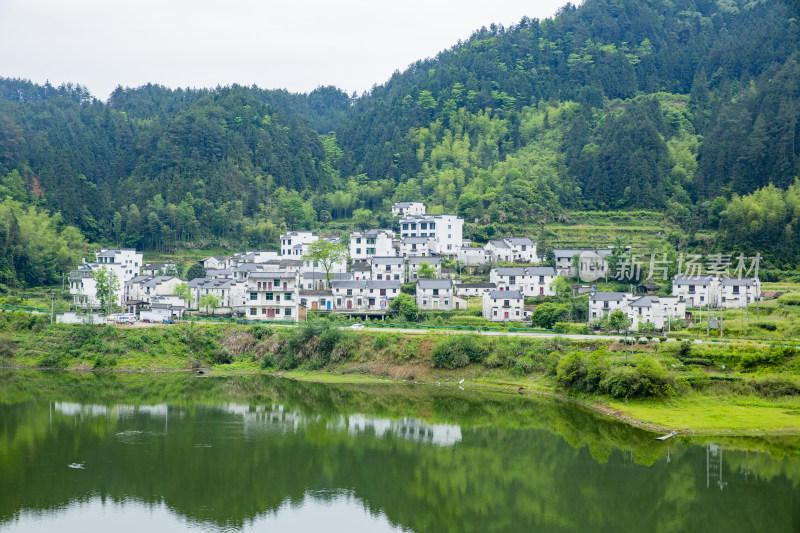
110, 452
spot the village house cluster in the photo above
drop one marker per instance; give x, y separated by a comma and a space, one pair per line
285, 284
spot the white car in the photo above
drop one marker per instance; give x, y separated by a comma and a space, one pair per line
356, 326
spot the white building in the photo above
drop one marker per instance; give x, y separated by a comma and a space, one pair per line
419, 246
594, 261
402, 209
388, 268
368, 295
530, 281
696, 291
371, 243
503, 306
125, 263
472, 255
415, 262
739, 292
318, 280
361, 271
655, 310
601, 304
228, 292
474, 290
435, 294
146, 288
446, 230
512, 249
295, 243
317, 300
272, 296
214, 262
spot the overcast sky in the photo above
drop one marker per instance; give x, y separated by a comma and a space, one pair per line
297, 45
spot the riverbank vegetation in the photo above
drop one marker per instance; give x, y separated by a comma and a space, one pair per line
649, 375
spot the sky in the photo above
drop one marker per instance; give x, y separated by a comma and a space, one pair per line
295, 45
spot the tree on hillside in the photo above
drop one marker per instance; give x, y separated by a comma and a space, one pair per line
326, 254
560, 287
107, 285
547, 314
183, 292
426, 271
618, 321
195, 271
405, 305
209, 301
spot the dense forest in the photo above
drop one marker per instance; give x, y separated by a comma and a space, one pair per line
689, 107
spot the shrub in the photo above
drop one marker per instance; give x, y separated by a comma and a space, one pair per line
457, 351
221, 356
525, 365
766, 326
381, 341
774, 386
645, 379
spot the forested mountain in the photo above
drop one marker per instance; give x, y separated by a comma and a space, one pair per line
676, 105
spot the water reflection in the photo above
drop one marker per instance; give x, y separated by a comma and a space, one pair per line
342, 512
176, 453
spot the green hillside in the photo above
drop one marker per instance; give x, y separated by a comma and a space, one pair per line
689, 109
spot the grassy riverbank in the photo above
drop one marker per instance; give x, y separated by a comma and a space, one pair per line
735, 388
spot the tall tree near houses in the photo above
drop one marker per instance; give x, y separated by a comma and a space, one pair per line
326, 254
107, 283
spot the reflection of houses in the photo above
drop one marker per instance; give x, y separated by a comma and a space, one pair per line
407, 428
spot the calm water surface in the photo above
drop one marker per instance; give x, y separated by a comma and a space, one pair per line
155, 453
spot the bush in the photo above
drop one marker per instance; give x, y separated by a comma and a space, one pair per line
525, 365
457, 351
775, 386
766, 326
547, 314
645, 379
381, 341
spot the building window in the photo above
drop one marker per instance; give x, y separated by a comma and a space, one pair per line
253, 296
253, 311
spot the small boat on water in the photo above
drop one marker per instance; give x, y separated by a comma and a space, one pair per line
667, 436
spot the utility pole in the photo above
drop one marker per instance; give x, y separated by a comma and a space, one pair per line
720, 321
708, 319
52, 305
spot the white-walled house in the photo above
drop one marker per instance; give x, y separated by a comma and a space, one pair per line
146, 288
592, 260
738, 292
473, 290
415, 246
317, 300
365, 295
272, 296
227, 291
415, 262
318, 280
655, 310
512, 249
214, 262
601, 304
472, 255
402, 209
371, 243
446, 230
388, 269
530, 281
435, 294
361, 271
295, 243
125, 263
503, 306
696, 291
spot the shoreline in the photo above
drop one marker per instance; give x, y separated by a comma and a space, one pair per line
702, 397
499, 384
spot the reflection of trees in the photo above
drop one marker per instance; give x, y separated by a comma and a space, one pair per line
522, 464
